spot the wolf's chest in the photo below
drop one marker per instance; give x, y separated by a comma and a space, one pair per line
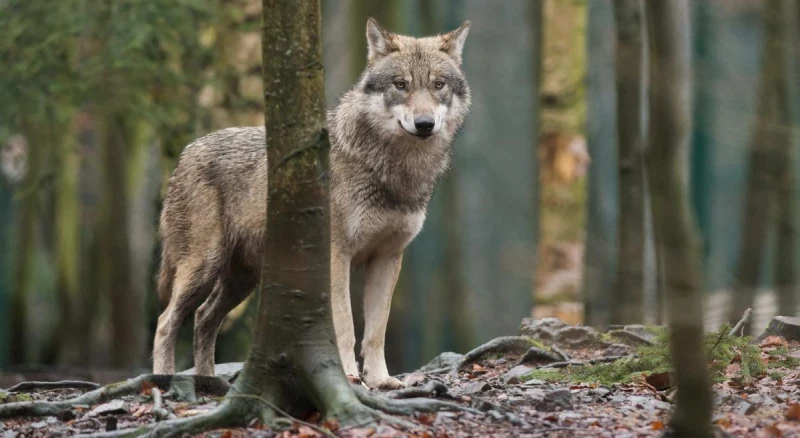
381, 232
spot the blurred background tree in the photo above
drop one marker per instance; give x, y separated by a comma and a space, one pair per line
539, 214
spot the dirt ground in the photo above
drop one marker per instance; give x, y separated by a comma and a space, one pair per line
506, 400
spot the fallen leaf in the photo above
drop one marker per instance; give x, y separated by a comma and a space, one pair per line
659, 381
307, 432
773, 341
331, 424
147, 387
657, 425
426, 419
793, 412
771, 431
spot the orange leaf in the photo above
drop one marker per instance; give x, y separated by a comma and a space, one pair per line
331, 424
427, 419
307, 432
772, 430
773, 341
657, 425
147, 386
793, 412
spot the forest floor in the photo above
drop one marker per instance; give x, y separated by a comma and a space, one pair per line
554, 380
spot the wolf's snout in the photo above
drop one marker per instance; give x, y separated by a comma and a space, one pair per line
424, 124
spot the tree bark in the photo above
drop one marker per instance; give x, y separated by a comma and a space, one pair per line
675, 235
293, 359
780, 19
127, 308
601, 131
769, 178
627, 296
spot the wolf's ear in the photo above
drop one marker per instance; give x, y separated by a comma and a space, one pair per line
379, 41
453, 42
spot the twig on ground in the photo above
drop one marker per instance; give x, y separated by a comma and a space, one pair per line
739, 327
503, 344
432, 388
535, 353
61, 384
580, 363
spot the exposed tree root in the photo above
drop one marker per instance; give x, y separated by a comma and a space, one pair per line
536, 353
562, 353
158, 406
503, 344
580, 363
42, 386
408, 406
432, 388
739, 327
205, 384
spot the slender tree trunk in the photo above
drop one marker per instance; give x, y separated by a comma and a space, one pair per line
602, 212
127, 307
780, 19
770, 144
667, 164
67, 233
293, 359
627, 297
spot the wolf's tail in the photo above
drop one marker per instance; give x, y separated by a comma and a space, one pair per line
166, 275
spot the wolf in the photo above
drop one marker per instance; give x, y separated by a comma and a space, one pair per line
391, 137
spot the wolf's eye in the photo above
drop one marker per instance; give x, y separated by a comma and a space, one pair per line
401, 85
439, 85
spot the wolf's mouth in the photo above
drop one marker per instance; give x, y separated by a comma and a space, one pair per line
419, 135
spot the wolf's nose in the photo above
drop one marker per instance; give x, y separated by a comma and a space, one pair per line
424, 124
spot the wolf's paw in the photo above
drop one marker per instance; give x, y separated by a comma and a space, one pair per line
386, 382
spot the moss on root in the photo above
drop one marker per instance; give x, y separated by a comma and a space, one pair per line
722, 350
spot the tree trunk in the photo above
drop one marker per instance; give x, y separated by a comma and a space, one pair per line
770, 144
67, 233
667, 165
627, 297
601, 131
294, 361
127, 307
780, 19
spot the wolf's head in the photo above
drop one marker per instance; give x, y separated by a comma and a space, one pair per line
415, 87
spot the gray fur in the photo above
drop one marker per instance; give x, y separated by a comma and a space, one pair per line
382, 179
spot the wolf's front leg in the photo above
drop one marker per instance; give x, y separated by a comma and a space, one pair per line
343, 312
380, 277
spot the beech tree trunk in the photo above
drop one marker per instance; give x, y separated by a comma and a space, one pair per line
627, 297
673, 221
770, 173
293, 360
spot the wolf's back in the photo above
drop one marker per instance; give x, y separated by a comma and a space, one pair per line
215, 203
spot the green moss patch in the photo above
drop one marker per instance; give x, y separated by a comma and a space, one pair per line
722, 350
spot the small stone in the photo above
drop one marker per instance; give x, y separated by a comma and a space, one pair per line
629, 338
51, 420
112, 407
541, 329
414, 378
476, 387
227, 371
744, 408
578, 336
512, 376
558, 400
617, 350
444, 360
535, 382
39, 425
640, 330
67, 415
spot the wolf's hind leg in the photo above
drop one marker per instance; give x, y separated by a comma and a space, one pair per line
380, 278
191, 286
229, 292
343, 312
